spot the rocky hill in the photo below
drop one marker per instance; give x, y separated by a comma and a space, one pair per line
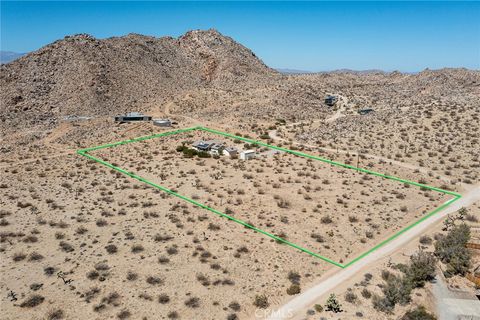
81, 75
203, 75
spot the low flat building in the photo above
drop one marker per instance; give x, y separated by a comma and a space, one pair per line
162, 122
132, 116
365, 111
247, 154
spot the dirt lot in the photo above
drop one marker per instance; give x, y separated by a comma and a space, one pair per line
296, 198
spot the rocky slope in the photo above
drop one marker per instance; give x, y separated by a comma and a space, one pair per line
81, 75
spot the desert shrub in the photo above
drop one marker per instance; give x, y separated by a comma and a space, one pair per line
154, 280
396, 290
173, 315
425, 240
59, 235
193, 302
419, 313
366, 293
57, 314
282, 203
124, 314
136, 248
111, 248
450, 249
385, 274
180, 148
65, 246
319, 238
368, 276
326, 220
172, 250
19, 256
32, 301
421, 269
213, 227
92, 275
30, 239
471, 218
35, 256
293, 289
232, 316
132, 276
101, 223
203, 154
163, 260
162, 237
49, 271
81, 230
261, 301
351, 297
318, 308
163, 298
235, 306
352, 219
294, 277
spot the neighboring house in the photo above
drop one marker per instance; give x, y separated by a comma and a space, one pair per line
230, 151
202, 145
162, 122
247, 154
132, 116
330, 100
365, 111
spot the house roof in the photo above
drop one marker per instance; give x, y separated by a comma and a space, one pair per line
217, 146
248, 151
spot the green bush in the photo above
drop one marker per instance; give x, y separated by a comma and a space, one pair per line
203, 154
421, 268
419, 313
450, 249
318, 308
293, 289
396, 290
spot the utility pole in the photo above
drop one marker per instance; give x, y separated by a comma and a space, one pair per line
358, 158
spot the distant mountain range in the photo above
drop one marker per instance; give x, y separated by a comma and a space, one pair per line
296, 71
9, 56
292, 71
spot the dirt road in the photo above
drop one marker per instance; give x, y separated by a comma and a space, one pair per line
297, 306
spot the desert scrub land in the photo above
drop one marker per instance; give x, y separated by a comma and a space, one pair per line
304, 201
89, 243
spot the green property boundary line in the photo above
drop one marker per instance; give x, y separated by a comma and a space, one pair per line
85, 153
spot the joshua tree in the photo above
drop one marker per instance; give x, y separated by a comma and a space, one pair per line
332, 304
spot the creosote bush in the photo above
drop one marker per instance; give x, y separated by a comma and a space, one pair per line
261, 301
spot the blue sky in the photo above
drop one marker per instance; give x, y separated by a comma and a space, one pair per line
315, 36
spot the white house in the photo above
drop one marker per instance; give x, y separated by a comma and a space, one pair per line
247, 154
216, 149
